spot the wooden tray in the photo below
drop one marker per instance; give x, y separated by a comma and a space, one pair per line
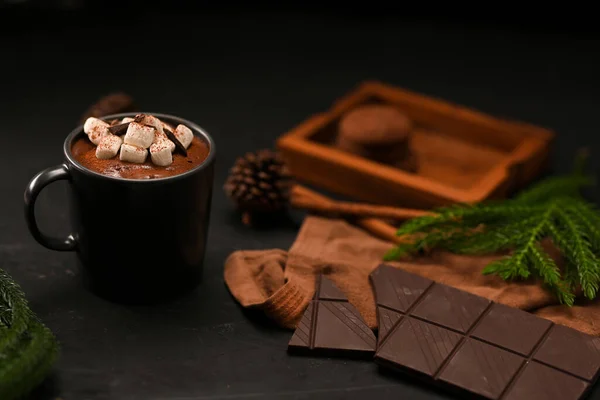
464, 155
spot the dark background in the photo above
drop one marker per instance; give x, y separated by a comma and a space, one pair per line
246, 76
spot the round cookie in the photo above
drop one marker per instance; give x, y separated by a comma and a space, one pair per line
399, 155
380, 133
374, 125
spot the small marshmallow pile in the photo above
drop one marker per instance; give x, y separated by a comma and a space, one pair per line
144, 134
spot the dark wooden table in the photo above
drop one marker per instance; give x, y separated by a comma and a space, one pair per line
246, 78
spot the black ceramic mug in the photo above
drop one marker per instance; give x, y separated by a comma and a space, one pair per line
159, 253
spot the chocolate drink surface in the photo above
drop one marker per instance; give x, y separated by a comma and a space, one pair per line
84, 152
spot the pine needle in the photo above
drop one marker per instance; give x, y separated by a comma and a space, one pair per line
28, 349
581, 253
551, 274
552, 209
499, 237
587, 215
12, 299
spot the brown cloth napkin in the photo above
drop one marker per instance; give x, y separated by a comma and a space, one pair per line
282, 283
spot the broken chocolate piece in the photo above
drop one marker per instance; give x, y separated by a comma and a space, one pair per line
174, 139
332, 326
477, 347
119, 129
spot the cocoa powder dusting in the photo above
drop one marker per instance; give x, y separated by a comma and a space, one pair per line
84, 153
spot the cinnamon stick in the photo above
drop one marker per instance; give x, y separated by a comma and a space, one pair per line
380, 229
374, 226
306, 199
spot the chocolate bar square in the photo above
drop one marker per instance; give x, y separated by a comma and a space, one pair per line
571, 351
332, 326
419, 346
511, 328
538, 382
450, 307
481, 368
403, 289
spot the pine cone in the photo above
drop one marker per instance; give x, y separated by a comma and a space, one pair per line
259, 183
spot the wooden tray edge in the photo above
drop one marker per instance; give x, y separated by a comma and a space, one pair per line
501, 179
374, 87
295, 140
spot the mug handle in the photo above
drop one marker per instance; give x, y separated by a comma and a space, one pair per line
35, 186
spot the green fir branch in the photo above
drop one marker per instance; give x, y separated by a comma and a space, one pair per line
470, 215
12, 298
28, 349
500, 267
30, 364
588, 216
551, 274
494, 238
581, 252
552, 209
399, 251
517, 264
564, 244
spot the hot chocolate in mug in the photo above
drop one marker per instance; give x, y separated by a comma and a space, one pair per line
136, 240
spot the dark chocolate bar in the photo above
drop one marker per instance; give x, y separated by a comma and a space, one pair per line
477, 347
331, 326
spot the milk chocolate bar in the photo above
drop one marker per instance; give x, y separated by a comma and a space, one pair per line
331, 326
476, 347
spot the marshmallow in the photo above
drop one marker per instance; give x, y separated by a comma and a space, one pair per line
96, 129
109, 146
161, 149
126, 120
184, 135
133, 154
161, 154
139, 135
162, 137
167, 126
150, 120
